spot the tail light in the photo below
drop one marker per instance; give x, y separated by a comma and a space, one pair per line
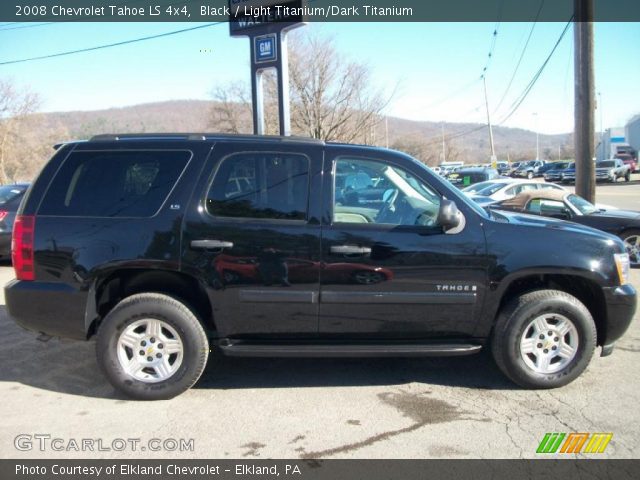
22, 247
3, 214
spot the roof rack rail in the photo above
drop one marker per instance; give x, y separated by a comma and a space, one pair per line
110, 137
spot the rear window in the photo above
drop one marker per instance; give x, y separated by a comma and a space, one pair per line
9, 193
113, 184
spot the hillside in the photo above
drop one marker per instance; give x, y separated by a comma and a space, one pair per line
421, 139
194, 116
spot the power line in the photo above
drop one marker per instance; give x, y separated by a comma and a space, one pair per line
99, 47
516, 104
515, 71
4, 28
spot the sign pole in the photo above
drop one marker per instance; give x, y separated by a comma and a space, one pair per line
267, 31
284, 113
257, 95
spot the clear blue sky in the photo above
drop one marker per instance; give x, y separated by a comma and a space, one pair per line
429, 62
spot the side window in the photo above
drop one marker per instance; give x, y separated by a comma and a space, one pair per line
114, 183
261, 185
369, 191
546, 207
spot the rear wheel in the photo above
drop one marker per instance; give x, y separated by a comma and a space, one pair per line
529, 175
627, 176
152, 347
544, 339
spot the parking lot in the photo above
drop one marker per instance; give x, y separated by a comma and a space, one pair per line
333, 408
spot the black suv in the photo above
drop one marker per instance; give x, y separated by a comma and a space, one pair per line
164, 246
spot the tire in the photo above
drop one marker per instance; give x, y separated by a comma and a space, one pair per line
366, 277
631, 239
529, 175
627, 177
137, 321
514, 326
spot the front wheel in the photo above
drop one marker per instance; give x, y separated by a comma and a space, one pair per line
631, 239
151, 347
544, 339
627, 177
529, 175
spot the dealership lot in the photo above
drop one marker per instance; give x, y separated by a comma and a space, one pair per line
334, 408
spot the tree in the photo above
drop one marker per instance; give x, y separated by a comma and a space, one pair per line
16, 108
332, 97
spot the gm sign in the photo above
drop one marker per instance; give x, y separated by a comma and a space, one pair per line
265, 48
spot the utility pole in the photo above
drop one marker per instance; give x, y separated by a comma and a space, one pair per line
486, 101
584, 99
444, 154
537, 138
386, 130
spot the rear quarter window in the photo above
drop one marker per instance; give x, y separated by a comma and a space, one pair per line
113, 183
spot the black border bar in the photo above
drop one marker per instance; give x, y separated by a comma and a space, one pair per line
322, 10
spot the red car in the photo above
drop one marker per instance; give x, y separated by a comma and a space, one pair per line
629, 160
248, 269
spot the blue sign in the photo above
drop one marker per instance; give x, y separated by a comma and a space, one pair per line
265, 48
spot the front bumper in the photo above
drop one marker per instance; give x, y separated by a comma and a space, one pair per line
54, 309
621, 306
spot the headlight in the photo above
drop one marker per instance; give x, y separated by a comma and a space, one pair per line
623, 266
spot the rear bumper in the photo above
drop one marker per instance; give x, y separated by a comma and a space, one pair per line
55, 309
621, 306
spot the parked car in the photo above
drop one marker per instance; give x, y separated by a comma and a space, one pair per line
568, 175
503, 168
554, 172
529, 169
486, 193
568, 206
630, 161
611, 170
119, 237
466, 176
10, 198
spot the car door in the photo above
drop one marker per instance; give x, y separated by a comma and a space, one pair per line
400, 275
253, 222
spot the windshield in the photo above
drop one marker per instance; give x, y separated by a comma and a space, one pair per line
482, 187
581, 204
9, 192
606, 164
559, 166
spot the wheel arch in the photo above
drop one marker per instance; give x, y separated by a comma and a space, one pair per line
583, 287
115, 286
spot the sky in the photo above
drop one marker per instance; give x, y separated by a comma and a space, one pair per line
433, 68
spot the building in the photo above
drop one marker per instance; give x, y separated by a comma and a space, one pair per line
632, 131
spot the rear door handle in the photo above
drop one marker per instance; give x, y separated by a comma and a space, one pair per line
350, 250
210, 244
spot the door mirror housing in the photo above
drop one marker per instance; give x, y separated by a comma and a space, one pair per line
448, 215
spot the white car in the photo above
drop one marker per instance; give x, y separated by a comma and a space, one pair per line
491, 191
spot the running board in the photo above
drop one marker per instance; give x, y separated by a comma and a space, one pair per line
342, 350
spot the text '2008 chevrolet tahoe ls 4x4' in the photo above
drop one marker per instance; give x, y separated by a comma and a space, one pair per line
162, 246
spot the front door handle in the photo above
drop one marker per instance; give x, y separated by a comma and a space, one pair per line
350, 250
210, 244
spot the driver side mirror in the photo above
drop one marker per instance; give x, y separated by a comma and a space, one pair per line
448, 215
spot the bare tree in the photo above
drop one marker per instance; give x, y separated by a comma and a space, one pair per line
16, 109
332, 97
232, 109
